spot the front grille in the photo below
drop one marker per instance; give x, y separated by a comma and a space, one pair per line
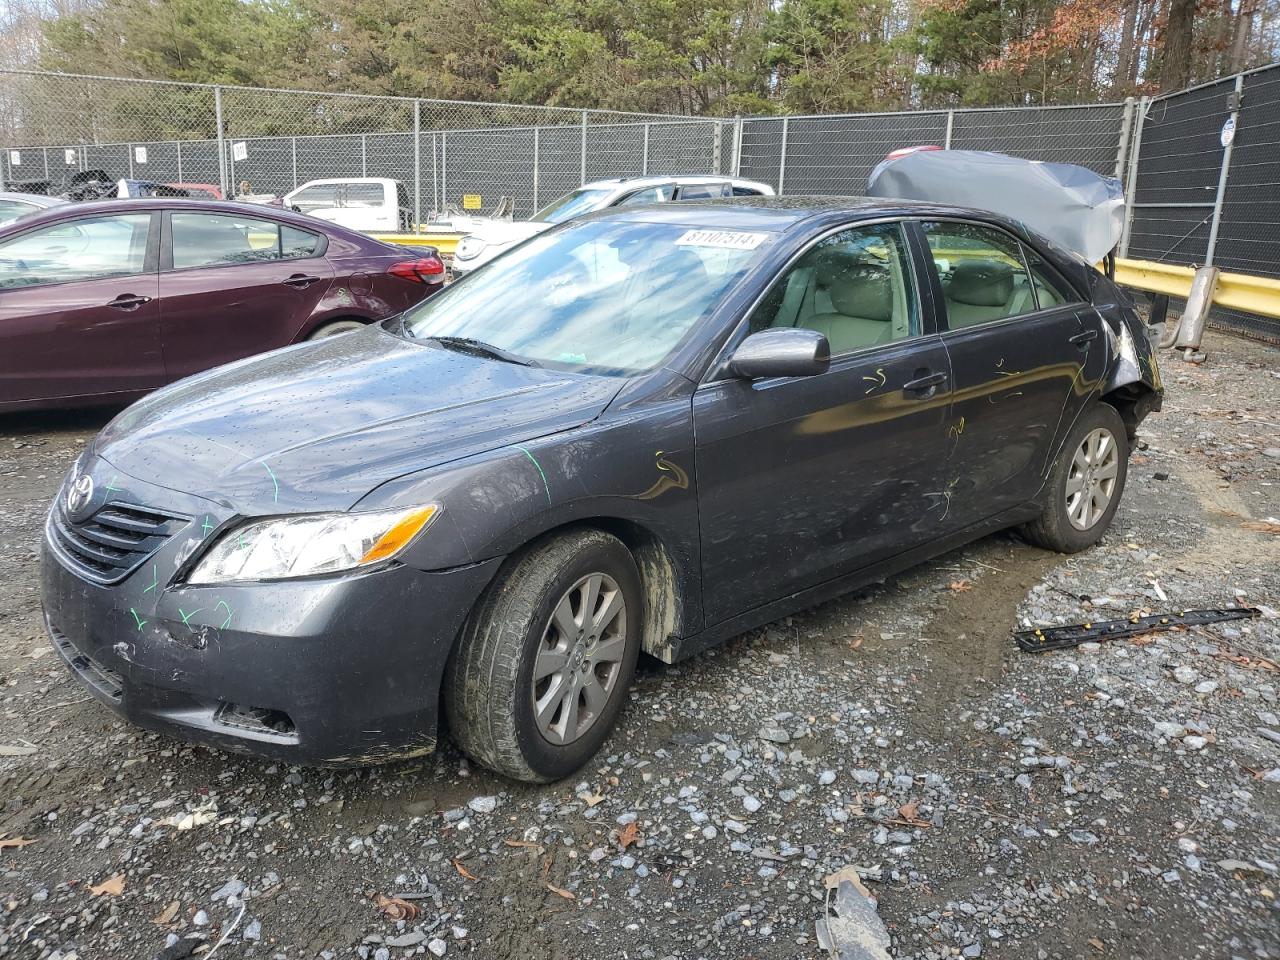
112, 543
103, 680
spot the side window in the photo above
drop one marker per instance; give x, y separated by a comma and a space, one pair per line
295, 243
648, 195
210, 240
88, 249
13, 209
745, 192
703, 191
1051, 289
364, 195
320, 197
982, 272
855, 287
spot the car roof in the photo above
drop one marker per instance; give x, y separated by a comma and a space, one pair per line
70, 211
327, 180
618, 183
779, 213
35, 199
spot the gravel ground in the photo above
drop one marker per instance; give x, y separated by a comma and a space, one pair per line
1121, 800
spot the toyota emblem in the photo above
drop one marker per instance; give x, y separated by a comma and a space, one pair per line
79, 493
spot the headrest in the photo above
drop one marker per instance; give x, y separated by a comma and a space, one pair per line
858, 289
981, 283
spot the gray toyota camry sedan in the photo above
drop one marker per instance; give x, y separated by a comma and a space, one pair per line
644, 431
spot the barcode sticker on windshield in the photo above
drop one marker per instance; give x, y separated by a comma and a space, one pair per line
728, 239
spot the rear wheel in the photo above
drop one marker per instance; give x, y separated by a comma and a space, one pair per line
1084, 488
542, 668
335, 328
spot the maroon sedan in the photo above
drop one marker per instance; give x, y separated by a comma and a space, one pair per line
103, 302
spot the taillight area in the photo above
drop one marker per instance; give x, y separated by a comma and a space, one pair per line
428, 269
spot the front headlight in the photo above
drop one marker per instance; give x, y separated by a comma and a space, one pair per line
304, 546
468, 248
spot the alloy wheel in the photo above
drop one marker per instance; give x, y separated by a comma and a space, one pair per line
579, 658
1091, 481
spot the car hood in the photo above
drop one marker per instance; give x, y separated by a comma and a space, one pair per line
319, 425
503, 232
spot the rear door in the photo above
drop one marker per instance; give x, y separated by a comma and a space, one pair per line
232, 286
78, 308
1025, 353
803, 479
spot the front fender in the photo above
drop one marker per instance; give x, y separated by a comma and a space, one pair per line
630, 466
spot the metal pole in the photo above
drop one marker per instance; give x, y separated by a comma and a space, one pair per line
644, 159
584, 148
737, 146
417, 165
435, 178
444, 170
1131, 185
946, 142
222, 142
536, 150
364, 155
180, 177
45, 152
293, 143
782, 157
1126, 128
1223, 170
130, 149
717, 131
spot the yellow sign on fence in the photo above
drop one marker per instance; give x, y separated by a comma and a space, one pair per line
471, 201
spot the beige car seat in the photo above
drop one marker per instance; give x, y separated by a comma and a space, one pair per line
980, 291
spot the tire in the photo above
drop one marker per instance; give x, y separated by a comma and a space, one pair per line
489, 685
334, 328
1073, 523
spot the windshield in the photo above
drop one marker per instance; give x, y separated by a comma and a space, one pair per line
572, 205
600, 296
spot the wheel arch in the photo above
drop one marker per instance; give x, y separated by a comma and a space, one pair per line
1133, 401
316, 323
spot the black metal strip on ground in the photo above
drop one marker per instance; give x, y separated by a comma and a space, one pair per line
1044, 639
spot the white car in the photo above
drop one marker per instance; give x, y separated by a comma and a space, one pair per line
15, 205
367, 204
491, 238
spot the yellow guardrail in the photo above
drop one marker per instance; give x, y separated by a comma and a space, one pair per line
446, 243
1235, 291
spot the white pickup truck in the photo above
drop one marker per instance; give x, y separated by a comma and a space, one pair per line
367, 204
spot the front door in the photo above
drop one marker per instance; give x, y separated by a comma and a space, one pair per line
232, 286
802, 479
78, 309
1025, 351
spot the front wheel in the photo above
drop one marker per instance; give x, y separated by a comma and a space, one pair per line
1084, 488
542, 668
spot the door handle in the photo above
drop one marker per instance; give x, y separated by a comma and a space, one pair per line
300, 280
924, 386
1080, 339
128, 301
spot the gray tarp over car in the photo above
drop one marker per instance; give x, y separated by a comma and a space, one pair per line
1073, 206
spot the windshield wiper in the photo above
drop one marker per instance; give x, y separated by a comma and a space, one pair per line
481, 349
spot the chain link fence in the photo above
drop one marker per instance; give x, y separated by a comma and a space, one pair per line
1204, 183
1194, 199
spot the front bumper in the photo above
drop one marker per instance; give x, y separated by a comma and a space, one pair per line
341, 670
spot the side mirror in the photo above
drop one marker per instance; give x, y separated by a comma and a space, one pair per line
781, 352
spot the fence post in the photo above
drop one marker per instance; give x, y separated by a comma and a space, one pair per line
417, 165
1223, 170
364, 155
129, 147
1126, 129
644, 159
584, 148
180, 177
537, 150
951, 117
293, 151
717, 132
737, 146
444, 170
222, 142
782, 157
1131, 184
